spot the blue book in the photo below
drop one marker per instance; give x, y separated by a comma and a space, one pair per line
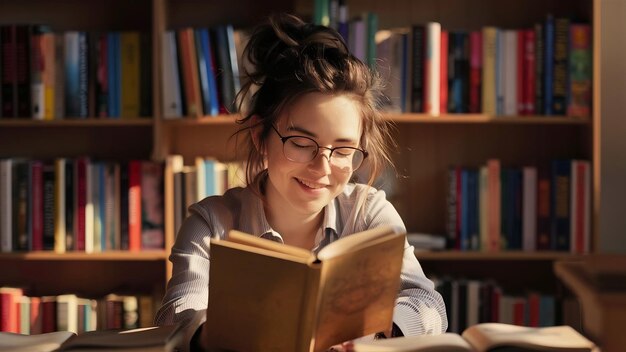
72, 73
515, 184
213, 104
473, 210
113, 66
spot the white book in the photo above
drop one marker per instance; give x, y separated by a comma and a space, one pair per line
201, 178
529, 208
432, 62
172, 100
67, 313
6, 207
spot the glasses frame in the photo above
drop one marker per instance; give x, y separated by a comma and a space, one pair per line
284, 139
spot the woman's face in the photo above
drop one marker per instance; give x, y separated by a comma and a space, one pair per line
331, 121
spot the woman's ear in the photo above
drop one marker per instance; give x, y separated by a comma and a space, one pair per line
255, 133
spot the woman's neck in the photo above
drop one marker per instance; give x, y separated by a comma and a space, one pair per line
295, 228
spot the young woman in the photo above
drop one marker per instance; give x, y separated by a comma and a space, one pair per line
311, 121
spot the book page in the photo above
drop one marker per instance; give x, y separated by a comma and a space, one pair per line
258, 302
50, 341
356, 241
255, 242
358, 291
554, 338
448, 342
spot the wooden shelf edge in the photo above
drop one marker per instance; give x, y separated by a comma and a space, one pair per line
408, 118
495, 256
82, 256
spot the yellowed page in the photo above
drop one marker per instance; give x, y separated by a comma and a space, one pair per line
358, 291
448, 342
255, 300
554, 338
261, 243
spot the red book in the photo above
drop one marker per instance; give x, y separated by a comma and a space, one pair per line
9, 309
543, 213
37, 205
475, 78
519, 311
493, 205
529, 72
521, 91
443, 73
134, 205
533, 309
48, 314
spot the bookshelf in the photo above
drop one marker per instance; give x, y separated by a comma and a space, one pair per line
428, 145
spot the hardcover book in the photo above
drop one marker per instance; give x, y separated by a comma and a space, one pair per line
301, 301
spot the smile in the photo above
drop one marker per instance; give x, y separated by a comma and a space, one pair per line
310, 184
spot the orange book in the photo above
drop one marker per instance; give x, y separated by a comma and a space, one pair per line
9, 309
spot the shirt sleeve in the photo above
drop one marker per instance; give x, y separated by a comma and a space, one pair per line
186, 297
420, 309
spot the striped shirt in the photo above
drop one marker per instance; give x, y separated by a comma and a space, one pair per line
419, 308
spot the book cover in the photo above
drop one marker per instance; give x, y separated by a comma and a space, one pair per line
312, 301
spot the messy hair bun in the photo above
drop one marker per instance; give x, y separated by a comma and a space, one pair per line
287, 58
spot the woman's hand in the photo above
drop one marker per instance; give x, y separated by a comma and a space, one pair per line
344, 347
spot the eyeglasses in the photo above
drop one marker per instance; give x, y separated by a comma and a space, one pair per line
302, 149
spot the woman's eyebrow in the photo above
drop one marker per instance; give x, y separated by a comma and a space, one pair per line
313, 135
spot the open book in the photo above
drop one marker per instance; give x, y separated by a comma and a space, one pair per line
161, 338
487, 337
266, 296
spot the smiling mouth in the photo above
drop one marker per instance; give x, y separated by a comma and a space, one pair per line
309, 184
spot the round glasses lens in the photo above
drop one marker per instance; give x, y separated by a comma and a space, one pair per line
300, 149
347, 158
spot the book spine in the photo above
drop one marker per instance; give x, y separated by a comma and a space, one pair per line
59, 205
548, 64
130, 58
560, 60
560, 205
417, 77
9, 70
539, 68
6, 207
134, 205
475, 81
443, 73
48, 182
580, 66
37, 205
431, 68
490, 37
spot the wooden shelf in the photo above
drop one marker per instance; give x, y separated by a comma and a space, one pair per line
410, 118
81, 256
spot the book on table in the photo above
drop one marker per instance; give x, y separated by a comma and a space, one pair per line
156, 338
488, 337
265, 296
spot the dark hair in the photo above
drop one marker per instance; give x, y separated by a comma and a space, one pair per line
287, 58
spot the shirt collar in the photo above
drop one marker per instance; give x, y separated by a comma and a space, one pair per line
253, 220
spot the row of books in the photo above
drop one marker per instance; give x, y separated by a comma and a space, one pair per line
494, 208
543, 70
201, 71
469, 302
74, 74
31, 315
202, 178
80, 205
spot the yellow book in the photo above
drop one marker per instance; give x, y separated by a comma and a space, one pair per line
266, 296
129, 68
59, 205
490, 38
